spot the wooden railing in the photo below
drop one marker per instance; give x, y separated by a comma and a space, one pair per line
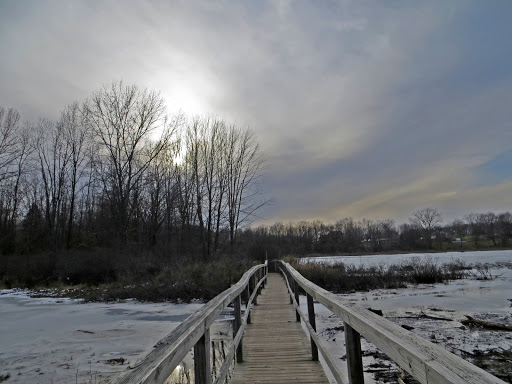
425, 361
194, 332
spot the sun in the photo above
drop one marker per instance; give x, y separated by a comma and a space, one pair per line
185, 98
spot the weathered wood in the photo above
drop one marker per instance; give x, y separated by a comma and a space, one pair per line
202, 367
236, 327
276, 349
255, 301
163, 358
312, 321
223, 371
486, 324
354, 355
248, 305
425, 361
329, 360
297, 299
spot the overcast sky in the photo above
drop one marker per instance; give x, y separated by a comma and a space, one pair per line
363, 108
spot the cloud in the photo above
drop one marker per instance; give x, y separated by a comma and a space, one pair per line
362, 109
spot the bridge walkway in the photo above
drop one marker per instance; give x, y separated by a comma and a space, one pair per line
275, 347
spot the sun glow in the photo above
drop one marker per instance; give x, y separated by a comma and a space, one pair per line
186, 99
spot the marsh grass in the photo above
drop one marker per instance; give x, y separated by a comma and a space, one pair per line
346, 278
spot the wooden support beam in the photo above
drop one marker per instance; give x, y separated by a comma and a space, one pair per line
297, 299
254, 284
312, 321
247, 305
354, 355
202, 368
238, 323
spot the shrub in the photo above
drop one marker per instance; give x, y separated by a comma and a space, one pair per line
346, 278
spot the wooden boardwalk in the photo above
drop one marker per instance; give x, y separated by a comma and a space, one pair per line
275, 347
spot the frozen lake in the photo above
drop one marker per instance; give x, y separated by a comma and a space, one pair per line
367, 260
48, 340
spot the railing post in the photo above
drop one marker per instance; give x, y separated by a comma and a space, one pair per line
254, 283
236, 328
247, 304
312, 321
202, 369
296, 291
354, 356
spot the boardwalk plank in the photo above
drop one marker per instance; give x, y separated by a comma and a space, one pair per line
276, 349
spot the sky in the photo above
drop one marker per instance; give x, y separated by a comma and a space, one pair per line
363, 109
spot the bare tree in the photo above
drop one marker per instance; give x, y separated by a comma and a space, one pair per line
54, 156
206, 146
244, 169
427, 219
132, 128
9, 148
77, 135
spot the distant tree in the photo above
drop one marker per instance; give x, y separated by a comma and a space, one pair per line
460, 228
388, 230
352, 232
410, 235
475, 226
427, 219
489, 223
504, 226
372, 234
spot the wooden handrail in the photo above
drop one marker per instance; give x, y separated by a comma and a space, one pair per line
425, 361
161, 361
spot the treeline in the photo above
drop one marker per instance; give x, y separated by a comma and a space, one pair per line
116, 171
424, 231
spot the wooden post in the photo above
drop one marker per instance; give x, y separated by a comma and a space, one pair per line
247, 305
296, 291
238, 323
254, 282
354, 356
202, 369
312, 321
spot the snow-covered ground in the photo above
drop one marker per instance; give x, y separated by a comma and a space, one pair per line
488, 300
50, 340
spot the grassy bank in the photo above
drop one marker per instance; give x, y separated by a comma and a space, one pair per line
105, 275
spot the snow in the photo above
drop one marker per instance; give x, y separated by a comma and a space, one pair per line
50, 340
